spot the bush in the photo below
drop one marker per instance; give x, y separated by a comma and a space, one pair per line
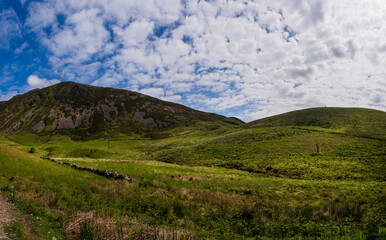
371, 227
16, 229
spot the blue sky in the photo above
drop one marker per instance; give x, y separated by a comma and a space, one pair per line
248, 59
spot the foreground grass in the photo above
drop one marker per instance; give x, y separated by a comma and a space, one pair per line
195, 202
294, 152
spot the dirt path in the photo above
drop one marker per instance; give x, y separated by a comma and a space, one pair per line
8, 215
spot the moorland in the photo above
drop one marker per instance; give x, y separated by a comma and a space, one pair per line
315, 173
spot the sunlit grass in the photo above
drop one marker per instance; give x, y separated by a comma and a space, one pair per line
205, 201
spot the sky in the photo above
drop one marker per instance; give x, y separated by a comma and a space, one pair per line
247, 59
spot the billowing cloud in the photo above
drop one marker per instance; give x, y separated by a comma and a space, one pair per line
36, 82
244, 58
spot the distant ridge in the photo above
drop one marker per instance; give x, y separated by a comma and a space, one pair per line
354, 121
84, 111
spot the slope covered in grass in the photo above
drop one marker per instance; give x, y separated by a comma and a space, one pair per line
283, 151
197, 202
354, 121
303, 152
88, 112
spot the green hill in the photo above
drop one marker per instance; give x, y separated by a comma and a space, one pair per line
354, 121
169, 201
310, 174
84, 112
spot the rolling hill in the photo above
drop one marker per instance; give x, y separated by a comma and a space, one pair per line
84, 111
316, 173
354, 121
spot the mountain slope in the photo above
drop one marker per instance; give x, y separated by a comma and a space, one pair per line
81, 110
354, 121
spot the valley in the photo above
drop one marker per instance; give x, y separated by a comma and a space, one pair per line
310, 174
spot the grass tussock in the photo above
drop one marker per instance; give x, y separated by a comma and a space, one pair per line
92, 226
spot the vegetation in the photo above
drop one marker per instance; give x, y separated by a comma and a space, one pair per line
353, 121
310, 174
230, 183
16, 229
86, 112
199, 201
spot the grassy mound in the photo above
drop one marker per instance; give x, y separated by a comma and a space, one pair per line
354, 121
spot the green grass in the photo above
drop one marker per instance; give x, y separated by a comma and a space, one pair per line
311, 174
353, 121
276, 151
16, 229
214, 202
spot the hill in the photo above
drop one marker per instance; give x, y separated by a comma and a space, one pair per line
169, 201
354, 121
84, 111
309, 174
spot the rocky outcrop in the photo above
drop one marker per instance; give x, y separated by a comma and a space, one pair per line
39, 127
101, 172
89, 110
83, 118
107, 109
140, 117
65, 123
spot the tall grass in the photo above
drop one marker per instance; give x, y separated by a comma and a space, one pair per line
176, 202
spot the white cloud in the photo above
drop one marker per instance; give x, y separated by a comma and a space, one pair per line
36, 82
41, 15
7, 95
154, 92
9, 28
21, 48
261, 57
135, 33
81, 39
22, 2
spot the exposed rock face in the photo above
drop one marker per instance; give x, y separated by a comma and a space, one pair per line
140, 117
92, 109
169, 109
30, 113
71, 118
65, 123
107, 109
39, 127
84, 118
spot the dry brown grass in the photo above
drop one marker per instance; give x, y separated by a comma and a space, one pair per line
190, 178
115, 189
107, 226
217, 198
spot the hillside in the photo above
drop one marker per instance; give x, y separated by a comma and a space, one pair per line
169, 201
309, 174
354, 121
84, 111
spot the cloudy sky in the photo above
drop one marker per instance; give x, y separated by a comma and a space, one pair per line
248, 59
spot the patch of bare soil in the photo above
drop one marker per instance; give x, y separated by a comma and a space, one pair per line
9, 215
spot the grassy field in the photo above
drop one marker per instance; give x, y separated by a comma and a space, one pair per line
293, 152
193, 202
276, 178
